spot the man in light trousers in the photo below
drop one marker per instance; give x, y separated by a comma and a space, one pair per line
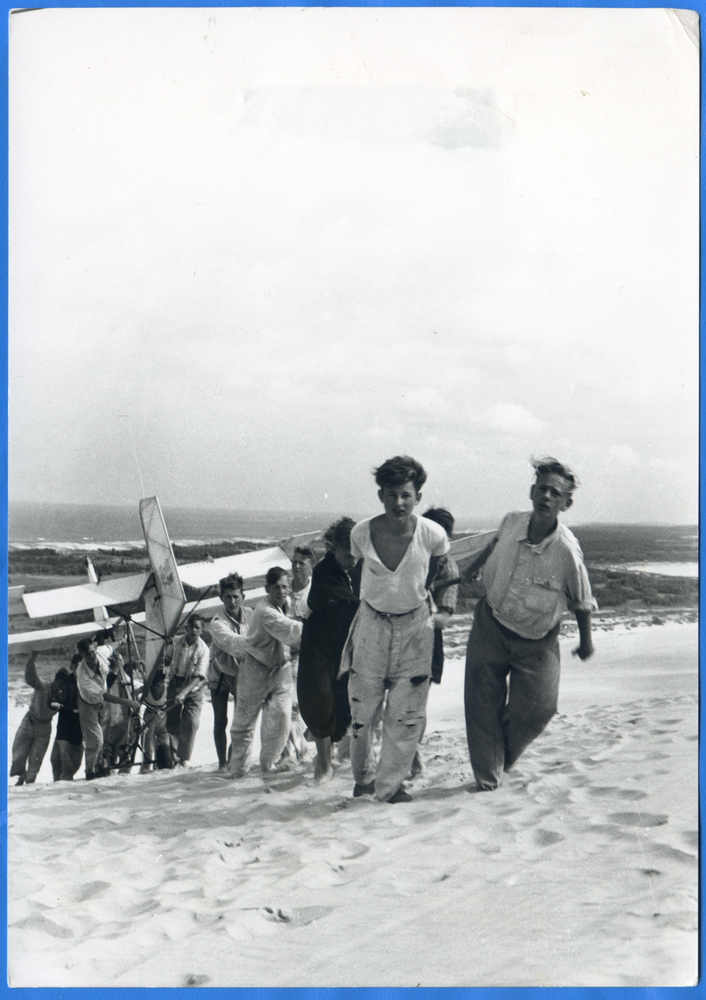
265, 679
391, 642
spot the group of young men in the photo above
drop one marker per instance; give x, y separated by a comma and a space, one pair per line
369, 627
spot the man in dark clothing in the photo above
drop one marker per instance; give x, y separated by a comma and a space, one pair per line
67, 752
333, 599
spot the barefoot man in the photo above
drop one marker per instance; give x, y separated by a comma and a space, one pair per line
391, 642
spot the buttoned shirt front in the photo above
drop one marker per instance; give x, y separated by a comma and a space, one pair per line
529, 587
229, 643
189, 661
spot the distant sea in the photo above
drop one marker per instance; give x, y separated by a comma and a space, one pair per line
54, 523
38, 524
68, 525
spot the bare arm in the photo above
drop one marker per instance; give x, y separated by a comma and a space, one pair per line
433, 570
585, 646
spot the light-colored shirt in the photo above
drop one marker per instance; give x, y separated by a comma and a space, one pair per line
229, 642
298, 600
398, 591
40, 709
91, 685
529, 587
189, 662
270, 632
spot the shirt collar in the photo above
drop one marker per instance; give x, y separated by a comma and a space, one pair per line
523, 530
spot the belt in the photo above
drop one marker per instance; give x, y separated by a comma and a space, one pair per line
386, 614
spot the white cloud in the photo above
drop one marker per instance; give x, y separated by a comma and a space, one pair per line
513, 419
623, 454
410, 237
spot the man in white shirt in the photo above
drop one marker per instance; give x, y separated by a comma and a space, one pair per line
229, 629
391, 641
303, 562
188, 670
91, 680
265, 679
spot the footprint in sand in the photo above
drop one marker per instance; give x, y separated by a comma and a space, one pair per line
308, 914
44, 925
670, 853
638, 819
622, 793
691, 837
546, 838
353, 849
90, 890
299, 917
196, 981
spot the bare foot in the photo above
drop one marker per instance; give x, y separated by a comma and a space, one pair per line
323, 771
281, 767
323, 768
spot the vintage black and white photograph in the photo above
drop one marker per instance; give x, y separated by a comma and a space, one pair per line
353, 497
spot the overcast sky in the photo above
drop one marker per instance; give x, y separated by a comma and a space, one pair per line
254, 253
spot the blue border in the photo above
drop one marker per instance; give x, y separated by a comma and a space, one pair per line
478, 993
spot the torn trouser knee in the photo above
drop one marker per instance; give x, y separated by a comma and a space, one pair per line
392, 652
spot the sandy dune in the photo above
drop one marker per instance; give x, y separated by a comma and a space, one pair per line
580, 871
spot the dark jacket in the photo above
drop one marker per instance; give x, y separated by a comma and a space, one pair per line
334, 600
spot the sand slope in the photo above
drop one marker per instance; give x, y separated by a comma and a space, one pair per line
580, 871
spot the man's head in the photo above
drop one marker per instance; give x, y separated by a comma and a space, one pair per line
553, 487
59, 685
303, 560
339, 534
277, 585
398, 470
231, 588
400, 480
157, 685
87, 648
194, 628
442, 516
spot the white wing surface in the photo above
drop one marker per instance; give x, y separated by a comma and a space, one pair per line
52, 638
85, 596
164, 595
68, 635
464, 549
99, 614
252, 566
